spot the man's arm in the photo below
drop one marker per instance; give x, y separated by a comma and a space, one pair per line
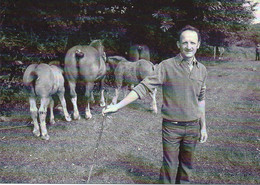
203, 130
132, 96
147, 85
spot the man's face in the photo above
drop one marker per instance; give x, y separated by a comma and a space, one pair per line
188, 44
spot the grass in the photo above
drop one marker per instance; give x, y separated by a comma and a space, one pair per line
130, 150
230, 155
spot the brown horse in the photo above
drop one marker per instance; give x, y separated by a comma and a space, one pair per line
44, 80
85, 64
129, 74
138, 52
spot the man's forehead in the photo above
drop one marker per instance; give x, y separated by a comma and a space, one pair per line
189, 34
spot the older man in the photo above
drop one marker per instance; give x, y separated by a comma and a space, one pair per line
183, 81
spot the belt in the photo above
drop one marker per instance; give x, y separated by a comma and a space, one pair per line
181, 122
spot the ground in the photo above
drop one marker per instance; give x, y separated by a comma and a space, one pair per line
130, 149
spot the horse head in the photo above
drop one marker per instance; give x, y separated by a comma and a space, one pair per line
97, 44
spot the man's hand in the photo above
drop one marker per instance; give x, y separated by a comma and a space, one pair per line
203, 135
110, 109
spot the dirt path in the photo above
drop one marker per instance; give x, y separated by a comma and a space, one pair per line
130, 150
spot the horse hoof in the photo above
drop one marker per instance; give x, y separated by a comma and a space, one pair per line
76, 116
155, 111
45, 137
52, 122
68, 118
102, 104
36, 133
88, 116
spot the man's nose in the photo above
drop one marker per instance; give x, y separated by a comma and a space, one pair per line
189, 46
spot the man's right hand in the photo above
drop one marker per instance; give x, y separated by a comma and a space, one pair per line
110, 109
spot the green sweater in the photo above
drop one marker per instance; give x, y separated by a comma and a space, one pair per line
182, 89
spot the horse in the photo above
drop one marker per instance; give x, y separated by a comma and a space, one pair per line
138, 52
112, 62
44, 81
129, 74
85, 64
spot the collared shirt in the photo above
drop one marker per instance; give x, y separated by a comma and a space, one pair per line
182, 88
258, 49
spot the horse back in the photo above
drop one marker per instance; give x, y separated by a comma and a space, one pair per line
92, 66
144, 68
88, 67
70, 63
58, 79
29, 74
41, 79
126, 72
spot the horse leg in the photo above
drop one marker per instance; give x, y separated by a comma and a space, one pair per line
154, 104
114, 100
64, 106
92, 97
132, 87
34, 115
73, 94
124, 90
119, 84
89, 89
52, 121
42, 115
102, 98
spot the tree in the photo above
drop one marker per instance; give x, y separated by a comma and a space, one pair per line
217, 19
43, 30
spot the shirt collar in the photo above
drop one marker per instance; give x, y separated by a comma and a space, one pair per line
179, 59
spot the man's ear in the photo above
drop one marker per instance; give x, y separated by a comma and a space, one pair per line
178, 44
198, 46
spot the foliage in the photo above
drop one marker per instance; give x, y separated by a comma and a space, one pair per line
10, 87
43, 30
217, 19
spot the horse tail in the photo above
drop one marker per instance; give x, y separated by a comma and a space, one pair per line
29, 78
71, 67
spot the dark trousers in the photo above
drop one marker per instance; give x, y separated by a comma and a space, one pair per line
257, 56
179, 141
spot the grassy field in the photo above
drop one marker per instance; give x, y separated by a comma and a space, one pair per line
130, 149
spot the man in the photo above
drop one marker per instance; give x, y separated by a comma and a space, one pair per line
257, 52
183, 87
